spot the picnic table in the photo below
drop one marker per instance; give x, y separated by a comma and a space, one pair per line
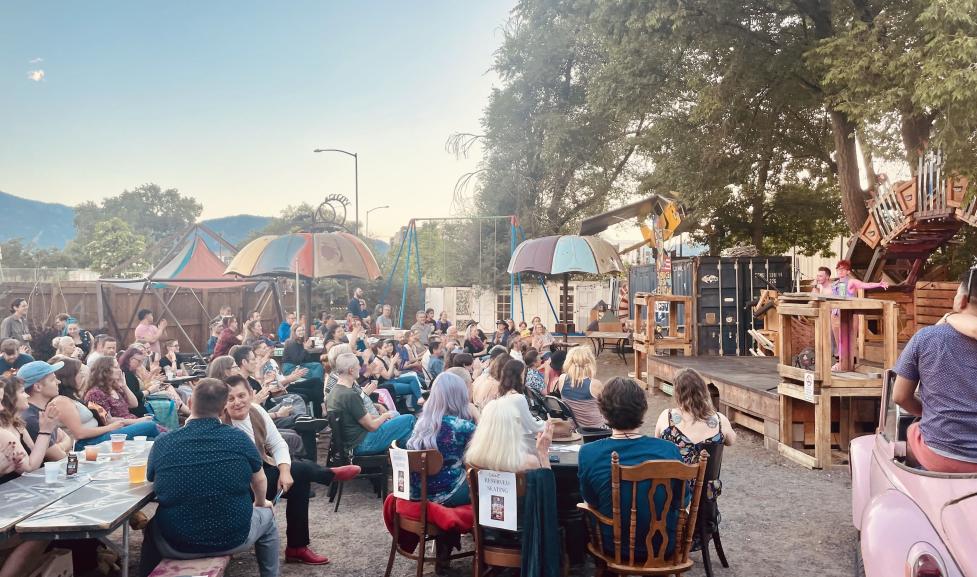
90, 506
599, 340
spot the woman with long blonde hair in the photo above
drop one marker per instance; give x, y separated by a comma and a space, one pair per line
498, 443
579, 388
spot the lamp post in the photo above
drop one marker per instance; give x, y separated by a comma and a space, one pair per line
356, 185
368, 218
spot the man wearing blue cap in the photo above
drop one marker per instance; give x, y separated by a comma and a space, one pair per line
41, 385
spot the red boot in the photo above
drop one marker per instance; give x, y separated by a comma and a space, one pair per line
346, 472
305, 556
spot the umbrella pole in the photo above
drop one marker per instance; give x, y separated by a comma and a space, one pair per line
566, 298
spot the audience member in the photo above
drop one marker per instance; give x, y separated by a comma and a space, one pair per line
297, 382
474, 344
938, 364
83, 339
442, 325
445, 425
422, 328
205, 476
41, 385
499, 443
15, 325
534, 377
299, 352
364, 433
694, 422
542, 340
385, 321
552, 369
228, 337
579, 389
357, 305
105, 345
285, 329
511, 385
11, 357
90, 425
485, 387
149, 333
107, 389
65, 347
405, 382
623, 405
293, 478
435, 365
24, 452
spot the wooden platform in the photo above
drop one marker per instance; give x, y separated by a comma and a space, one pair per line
746, 388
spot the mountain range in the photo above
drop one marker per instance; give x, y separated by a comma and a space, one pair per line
51, 225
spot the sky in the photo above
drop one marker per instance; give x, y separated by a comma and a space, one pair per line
226, 100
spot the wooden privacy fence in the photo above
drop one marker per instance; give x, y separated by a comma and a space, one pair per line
106, 308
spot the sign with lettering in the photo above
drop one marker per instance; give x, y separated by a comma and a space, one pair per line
497, 499
401, 473
809, 386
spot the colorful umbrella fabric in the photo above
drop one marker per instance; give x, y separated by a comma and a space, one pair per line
319, 255
551, 255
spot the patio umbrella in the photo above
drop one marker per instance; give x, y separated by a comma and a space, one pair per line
563, 255
310, 255
306, 255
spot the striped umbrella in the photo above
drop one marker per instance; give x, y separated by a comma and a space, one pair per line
318, 255
564, 255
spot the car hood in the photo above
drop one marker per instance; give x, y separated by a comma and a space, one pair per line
958, 519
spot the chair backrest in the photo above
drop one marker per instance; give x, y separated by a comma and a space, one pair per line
708, 517
671, 477
558, 409
714, 468
477, 530
337, 455
424, 463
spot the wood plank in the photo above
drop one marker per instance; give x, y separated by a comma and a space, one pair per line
785, 309
822, 434
795, 373
799, 457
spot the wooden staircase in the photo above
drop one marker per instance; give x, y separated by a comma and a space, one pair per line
908, 221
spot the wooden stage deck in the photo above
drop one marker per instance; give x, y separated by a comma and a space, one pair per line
745, 388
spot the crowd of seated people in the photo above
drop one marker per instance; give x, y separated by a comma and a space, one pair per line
468, 398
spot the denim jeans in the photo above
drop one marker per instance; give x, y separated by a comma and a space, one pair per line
377, 442
147, 429
408, 384
263, 536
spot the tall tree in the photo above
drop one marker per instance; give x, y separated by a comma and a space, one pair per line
113, 243
155, 213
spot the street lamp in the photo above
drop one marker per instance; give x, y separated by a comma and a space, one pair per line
356, 171
368, 218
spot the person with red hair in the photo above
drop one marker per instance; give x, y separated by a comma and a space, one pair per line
847, 287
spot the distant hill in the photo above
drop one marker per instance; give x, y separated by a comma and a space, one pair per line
45, 224
234, 229
51, 225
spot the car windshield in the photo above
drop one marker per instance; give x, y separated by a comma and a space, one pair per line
889, 419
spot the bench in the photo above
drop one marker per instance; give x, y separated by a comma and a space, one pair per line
204, 567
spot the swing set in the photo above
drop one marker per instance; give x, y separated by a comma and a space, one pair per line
413, 258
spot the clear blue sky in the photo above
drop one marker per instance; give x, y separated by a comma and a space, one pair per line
225, 100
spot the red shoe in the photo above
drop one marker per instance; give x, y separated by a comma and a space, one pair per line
305, 556
345, 473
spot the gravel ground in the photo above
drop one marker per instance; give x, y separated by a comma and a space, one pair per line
778, 519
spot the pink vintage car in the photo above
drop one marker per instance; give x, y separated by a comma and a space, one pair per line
912, 523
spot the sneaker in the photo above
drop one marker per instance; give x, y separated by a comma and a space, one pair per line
305, 556
345, 473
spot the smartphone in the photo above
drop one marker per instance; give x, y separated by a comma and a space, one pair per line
554, 458
278, 496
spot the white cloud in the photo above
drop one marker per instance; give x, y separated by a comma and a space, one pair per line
35, 60
36, 75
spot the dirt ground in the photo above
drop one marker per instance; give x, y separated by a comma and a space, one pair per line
777, 519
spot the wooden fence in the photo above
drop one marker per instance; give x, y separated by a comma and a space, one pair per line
112, 309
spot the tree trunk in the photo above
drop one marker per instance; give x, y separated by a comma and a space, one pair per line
853, 197
915, 137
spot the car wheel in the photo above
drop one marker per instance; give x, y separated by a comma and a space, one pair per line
859, 562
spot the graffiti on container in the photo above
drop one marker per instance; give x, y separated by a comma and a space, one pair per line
709, 279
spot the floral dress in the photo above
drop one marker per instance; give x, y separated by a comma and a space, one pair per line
690, 450
535, 381
453, 438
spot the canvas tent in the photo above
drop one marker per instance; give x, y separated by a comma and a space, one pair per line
190, 268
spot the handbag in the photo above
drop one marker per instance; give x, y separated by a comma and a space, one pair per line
163, 410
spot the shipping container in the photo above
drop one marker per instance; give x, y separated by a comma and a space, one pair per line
723, 290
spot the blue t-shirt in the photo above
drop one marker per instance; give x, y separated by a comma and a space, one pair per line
944, 363
202, 475
284, 331
435, 366
595, 487
21, 360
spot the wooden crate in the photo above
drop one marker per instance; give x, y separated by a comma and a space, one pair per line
647, 341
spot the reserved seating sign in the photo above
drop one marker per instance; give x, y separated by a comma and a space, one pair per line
401, 472
497, 500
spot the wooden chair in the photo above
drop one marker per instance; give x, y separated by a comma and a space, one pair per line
664, 475
424, 463
376, 468
707, 525
497, 555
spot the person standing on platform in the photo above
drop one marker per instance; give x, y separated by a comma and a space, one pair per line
357, 305
822, 282
148, 332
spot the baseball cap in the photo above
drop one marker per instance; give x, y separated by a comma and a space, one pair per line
36, 370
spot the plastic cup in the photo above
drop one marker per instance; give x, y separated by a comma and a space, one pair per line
169, 372
118, 443
139, 442
137, 471
91, 452
51, 471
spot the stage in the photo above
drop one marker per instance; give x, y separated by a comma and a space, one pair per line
745, 388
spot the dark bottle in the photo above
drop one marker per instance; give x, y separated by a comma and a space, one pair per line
72, 465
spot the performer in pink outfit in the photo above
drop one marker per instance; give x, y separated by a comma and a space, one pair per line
847, 287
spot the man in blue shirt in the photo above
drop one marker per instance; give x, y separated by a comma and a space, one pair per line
205, 474
11, 357
623, 404
357, 306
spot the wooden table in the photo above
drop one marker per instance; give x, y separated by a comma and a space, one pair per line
567, 497
95, 509
598, 338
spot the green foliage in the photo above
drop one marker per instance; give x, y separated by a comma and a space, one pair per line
112, 243
15, 254
153, 212
291, 219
